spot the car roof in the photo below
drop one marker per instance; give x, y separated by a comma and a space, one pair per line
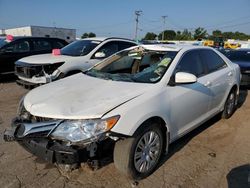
108, 38
30, 37
171, 47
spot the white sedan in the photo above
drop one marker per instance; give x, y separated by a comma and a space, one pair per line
137, 101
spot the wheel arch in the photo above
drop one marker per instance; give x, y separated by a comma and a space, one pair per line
163, 127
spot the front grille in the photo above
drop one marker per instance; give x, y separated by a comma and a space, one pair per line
33, 130
28, 72
38, 134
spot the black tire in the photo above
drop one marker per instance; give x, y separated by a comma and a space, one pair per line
229, 106
124, 152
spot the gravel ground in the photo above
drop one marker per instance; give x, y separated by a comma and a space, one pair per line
217, 154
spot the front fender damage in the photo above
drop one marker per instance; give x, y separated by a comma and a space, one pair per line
34, 137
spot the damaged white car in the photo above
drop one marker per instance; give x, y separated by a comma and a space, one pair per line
76, 57
133, 104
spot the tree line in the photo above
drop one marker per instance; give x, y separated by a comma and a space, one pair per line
199, 33
88, 35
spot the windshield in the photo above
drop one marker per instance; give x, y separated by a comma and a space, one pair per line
79, 48
136, 65
239, 55
3, 42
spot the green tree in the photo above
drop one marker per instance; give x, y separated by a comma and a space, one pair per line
167, 35
186, 35
200, 33
150, 36
217, 33
178, 35
88, 35
85, 35
92, 35
228, 35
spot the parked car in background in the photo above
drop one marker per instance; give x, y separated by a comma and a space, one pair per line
73, 58
137, 101
14, 48
242, 58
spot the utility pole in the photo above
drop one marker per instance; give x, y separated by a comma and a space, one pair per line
164, 27
137, 14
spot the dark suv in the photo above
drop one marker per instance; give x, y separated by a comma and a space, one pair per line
14, 48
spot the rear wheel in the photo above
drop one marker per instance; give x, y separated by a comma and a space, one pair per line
137, 157
230, 106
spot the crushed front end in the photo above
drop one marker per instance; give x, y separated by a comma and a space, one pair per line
37, 136
32, 75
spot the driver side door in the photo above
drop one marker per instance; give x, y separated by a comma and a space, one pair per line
11, 53
189, 103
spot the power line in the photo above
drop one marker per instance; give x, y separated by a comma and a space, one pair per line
226, 22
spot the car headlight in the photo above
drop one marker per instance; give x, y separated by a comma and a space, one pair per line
80, 130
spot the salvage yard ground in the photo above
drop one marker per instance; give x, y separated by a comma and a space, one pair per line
217, 154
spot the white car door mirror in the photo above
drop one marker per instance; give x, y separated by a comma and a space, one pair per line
100, 55
185, 78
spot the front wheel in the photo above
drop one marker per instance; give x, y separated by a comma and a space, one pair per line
230, 106
137, 157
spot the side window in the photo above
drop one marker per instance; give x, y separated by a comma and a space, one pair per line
191, 63
40, 45
213, 60
18, 47
109, 48
120, 64
123, 45
58, 44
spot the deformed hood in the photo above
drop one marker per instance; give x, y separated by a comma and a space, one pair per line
81, 97
46, 59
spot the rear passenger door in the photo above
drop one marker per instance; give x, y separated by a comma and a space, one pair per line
218, 78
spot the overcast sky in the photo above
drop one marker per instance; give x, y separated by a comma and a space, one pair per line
117, 18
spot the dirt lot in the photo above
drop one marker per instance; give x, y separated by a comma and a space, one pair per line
215, 155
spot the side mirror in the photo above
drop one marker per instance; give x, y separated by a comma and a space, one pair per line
185, 78
100, 55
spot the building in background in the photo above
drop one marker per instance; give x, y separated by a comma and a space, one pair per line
41, 31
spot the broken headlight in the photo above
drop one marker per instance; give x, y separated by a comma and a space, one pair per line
80, 130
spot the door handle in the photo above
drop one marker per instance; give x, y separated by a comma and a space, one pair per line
207, 84
230, 74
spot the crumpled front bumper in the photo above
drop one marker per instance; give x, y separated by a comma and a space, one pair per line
30, 83
39, 144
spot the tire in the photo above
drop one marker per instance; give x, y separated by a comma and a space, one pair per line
229, 106
125, 150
